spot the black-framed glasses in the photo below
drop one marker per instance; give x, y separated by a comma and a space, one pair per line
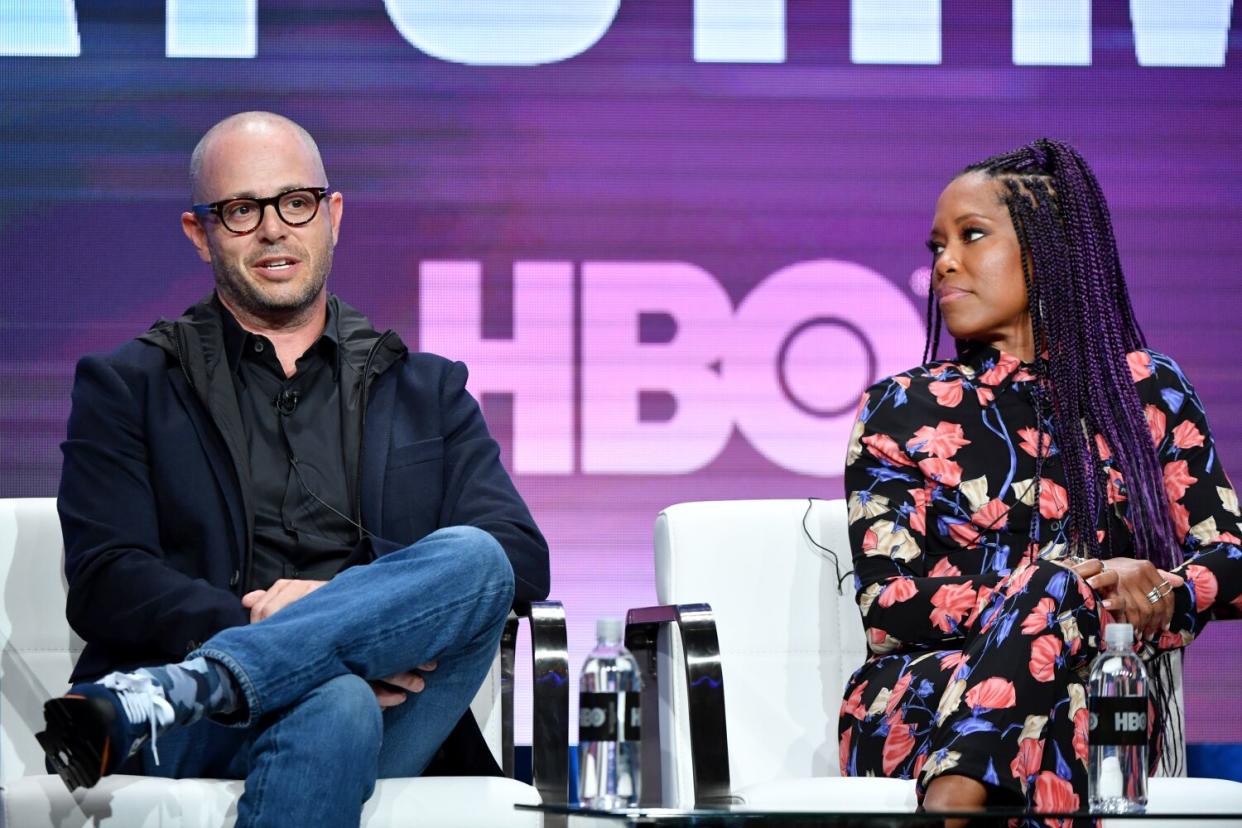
244, 215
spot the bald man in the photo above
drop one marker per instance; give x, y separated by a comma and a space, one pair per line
289, 542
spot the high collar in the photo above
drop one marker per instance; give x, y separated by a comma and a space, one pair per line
991, 365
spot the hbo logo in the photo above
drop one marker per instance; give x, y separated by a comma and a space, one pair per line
657, 368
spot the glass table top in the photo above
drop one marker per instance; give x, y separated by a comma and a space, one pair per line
573, 816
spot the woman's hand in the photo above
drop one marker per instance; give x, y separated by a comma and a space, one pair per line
1104, 581
1136, 581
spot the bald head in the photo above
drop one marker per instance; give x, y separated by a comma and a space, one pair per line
257, 128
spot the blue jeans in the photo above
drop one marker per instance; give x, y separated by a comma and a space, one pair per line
314, 739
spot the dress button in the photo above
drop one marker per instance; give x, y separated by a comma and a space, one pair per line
258, 346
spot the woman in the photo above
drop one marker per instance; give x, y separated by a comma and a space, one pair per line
1006, 503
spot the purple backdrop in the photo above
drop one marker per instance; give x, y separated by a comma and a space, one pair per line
673, 252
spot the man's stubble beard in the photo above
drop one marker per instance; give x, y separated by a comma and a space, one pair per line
244, 295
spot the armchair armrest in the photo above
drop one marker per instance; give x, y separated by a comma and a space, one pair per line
550, 663
709, 741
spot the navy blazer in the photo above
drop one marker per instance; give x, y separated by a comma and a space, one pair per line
157, 521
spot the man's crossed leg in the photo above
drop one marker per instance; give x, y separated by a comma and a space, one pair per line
310, 739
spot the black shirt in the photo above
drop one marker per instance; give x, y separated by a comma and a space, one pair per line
303, 518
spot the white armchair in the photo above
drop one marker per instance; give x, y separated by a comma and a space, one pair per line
757, 609
39, 649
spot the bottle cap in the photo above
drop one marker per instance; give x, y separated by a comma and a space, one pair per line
609, 629
1119, 635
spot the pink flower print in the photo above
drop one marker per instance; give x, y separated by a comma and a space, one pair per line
894, 697
1180, 516
1029, 436
985, 396
1140, 365
948, 394
1002, 369
897, 747
1018, 579
944, 569
881, 642
1186, 435
1055, 795
1053, 499
897, 590
992, 694
951, 602
1044, 654
853, 705
1156, 423
1082, 719
954, 659
944, 472
942, 441
1040, 618
1177, 478
1026, 763
885, 449
981, 601
1205, 586
992, 516
1101, 445
966, 535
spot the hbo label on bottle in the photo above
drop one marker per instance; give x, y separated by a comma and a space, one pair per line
1118, 721
598, 719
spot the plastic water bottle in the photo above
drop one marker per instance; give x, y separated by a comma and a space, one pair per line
1117, 692
609, 722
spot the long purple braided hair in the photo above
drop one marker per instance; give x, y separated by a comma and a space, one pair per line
1081, 313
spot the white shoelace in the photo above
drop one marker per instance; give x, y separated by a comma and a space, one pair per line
143, 701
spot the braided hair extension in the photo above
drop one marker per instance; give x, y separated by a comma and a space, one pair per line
1081, 314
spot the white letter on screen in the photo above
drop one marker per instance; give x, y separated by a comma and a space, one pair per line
726, 31
39, 28
535, 366
502, 32
211, 29
895, 31
1192, 33
1052, 32
618, 368
805, 344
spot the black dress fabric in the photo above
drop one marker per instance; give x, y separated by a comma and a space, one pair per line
980, 637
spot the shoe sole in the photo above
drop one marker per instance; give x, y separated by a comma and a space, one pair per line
77, 741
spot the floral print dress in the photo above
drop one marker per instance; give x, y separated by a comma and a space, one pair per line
979, 640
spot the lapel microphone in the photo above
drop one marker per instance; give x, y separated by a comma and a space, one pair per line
286, 401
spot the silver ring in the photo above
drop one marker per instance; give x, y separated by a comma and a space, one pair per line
1153, 595
1103, 567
